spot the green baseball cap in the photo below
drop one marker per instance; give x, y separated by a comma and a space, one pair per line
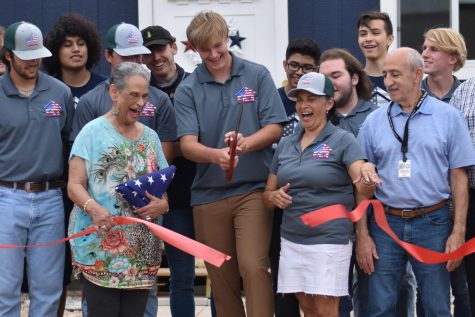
25, 41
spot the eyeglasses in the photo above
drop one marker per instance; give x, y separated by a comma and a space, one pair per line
306, 68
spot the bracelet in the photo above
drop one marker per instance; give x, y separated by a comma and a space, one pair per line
84, 207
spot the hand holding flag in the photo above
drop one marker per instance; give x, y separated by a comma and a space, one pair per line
155, 183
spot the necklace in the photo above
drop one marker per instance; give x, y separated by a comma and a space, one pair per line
26, 93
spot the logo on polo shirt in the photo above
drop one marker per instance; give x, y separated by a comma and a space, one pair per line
321, 151
52, 109
245, 95
148, 110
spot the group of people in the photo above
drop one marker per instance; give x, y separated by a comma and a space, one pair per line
251, 160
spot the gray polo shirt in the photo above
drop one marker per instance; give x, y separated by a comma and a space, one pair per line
32, 129
354, 120
447, 96
208, 109
157, 114
318, 177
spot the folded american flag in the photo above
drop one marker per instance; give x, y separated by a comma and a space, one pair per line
155, 183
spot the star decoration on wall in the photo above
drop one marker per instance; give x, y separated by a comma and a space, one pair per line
236, 39
188, 46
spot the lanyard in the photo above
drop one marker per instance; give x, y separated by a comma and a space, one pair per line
405, 138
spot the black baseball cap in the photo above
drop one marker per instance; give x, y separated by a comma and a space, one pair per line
156, 35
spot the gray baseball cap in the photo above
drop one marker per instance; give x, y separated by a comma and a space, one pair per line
126, 40
25, 41
315, 83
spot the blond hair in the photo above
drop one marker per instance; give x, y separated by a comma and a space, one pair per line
204, 27
450, 42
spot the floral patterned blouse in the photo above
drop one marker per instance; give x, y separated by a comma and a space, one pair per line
127, 256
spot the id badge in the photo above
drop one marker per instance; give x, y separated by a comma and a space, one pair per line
404, 170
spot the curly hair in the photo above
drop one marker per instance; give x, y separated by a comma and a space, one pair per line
72, 24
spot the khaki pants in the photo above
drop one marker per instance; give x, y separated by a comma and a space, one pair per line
239, 226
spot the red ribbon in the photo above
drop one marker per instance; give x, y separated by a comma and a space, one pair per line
177, 240
323, 215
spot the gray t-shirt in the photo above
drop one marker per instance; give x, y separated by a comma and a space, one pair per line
157, 114
32, 129
208, 109
318, 177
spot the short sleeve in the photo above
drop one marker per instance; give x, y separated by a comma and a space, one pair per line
461, 151
271, 108
364, 140
352, 151
82, 147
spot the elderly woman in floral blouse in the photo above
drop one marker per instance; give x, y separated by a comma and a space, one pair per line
118, 264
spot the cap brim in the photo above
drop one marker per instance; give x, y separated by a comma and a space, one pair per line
32, 54
156, 42
130, 51
294, 92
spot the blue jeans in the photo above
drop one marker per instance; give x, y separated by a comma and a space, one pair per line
469, 260
429, 231
458, 283
31, 218
406, 297
182, 265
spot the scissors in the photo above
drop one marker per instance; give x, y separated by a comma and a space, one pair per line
232, 144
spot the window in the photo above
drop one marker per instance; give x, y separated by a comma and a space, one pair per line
412, 18
419, 16
466, 18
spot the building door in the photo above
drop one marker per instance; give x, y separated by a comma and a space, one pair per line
263, 24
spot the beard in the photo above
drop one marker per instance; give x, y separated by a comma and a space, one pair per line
343, 100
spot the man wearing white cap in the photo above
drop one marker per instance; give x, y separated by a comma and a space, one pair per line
35, 119
124, 43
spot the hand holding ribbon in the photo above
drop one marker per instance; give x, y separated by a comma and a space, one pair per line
177, 240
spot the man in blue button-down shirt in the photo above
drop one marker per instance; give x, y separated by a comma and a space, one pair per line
419, 147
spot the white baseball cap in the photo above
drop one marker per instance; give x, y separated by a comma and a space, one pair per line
25, 41
126, 40
315, 83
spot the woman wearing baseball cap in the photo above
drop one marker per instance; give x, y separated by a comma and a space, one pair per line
313, 168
